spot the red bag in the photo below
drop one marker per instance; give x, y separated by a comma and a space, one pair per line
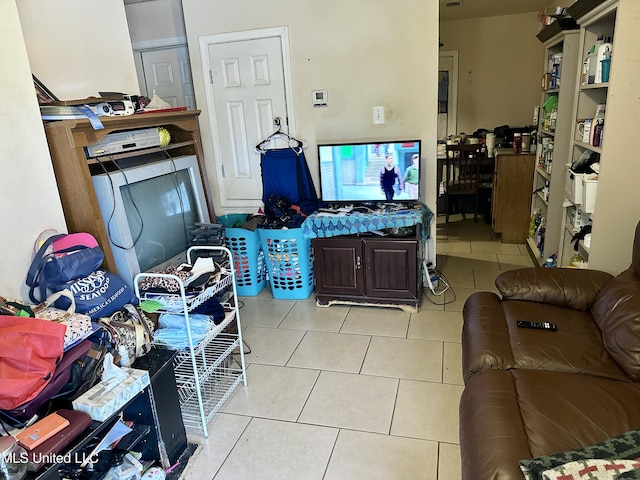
30, 349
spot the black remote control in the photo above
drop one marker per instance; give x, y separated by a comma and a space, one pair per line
537, 325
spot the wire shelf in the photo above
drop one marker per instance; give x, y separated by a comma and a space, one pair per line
175, 303
206, 373
215, 393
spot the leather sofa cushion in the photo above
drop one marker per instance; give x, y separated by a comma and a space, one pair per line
507, 416
492, 340
564, 287
617, 313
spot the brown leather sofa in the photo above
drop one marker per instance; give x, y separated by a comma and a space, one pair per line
533, 392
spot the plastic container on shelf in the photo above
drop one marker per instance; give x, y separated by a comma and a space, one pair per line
589, 190
289, 264
573, 187
248, 258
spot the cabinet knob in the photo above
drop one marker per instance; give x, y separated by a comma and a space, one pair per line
358, 263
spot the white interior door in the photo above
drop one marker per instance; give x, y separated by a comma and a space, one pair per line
246, 91
167, 71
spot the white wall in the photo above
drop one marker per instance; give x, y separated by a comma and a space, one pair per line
28, 193
364, 53
499, 69
79, 47
157, 20
65, 44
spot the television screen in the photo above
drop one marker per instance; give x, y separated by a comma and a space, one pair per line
161, 213
362, 172
149, 212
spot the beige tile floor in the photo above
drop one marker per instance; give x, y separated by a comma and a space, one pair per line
353, 393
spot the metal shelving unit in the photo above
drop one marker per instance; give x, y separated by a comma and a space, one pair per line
207, 372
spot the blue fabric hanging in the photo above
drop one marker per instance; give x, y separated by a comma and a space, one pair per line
285, 172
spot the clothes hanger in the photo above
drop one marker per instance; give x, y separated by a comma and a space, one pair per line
293, 142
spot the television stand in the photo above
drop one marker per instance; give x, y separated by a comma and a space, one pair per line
67, 140
353, 264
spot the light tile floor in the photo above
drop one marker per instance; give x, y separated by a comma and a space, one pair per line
353, 393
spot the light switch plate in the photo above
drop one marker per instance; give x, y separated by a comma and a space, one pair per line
378, 115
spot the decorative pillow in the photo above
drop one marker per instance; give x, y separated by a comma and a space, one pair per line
591, 469
622, 447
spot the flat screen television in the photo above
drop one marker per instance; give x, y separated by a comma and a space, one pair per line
370, 172
150, 211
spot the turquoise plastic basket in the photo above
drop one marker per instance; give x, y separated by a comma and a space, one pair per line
289, 263
248, 259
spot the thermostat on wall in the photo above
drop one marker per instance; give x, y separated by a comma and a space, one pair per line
319, 98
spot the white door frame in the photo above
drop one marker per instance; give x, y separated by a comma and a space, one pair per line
204, 41
452, 123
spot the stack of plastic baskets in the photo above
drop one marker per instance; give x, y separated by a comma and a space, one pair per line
289, 264
248, 258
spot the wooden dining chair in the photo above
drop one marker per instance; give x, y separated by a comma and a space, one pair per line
461, 173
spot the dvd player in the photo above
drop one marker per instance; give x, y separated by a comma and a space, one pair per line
127, 141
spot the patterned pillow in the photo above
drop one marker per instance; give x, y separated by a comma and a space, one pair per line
622, 447
592, 470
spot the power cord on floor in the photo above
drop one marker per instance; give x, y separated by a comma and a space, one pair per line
437, 284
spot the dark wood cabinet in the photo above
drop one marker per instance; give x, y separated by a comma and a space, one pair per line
511, 203
368, 270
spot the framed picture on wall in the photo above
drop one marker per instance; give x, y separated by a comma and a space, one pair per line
42, 92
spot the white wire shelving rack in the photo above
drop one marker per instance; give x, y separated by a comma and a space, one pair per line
207, 371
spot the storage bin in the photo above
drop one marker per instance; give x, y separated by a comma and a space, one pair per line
573, 187
589, 188
289, 264
248, 259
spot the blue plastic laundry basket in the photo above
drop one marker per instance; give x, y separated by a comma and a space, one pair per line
248, 259
289, 264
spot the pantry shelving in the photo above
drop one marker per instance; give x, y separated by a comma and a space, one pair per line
554, 139
590, 101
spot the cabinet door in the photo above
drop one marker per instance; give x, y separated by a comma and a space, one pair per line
392, 270
338, 266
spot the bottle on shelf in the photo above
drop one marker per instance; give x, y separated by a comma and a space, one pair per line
603, 51
534, 222
548, 158
534, 142
593, 59
552, 119
606, 66
540, 233
587, 68
517, 142
551, 261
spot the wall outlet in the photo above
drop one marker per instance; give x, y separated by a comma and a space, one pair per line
378, 115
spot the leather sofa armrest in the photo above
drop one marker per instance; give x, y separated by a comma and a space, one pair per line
564, 287
486, 343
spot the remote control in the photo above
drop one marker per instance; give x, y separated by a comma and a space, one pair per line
538, 325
